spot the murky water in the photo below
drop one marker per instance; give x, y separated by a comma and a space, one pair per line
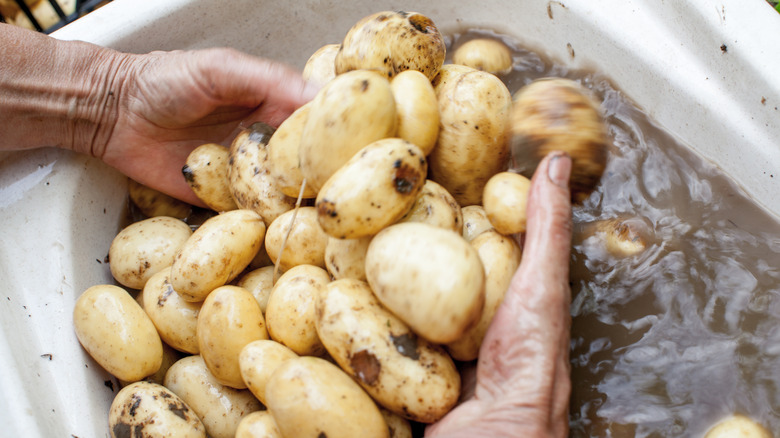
668, 341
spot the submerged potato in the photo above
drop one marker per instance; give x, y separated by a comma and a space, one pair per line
504, 199
620, 237
435, 206
311, 397
559, 115
403, 373
176, 320
206, 172
305, 244
153, 409
417, 108
320, 68
392, 42
283, 158
418, 270
350, 112
216, 253
144, 248
346, 258
154, 203
372, 190
486, 54
258, 361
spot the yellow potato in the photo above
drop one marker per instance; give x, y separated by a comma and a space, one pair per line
436, 206
311, 397
305, 244
154, 203
417, 108
169, 357
216, 253
176, 320
116, 332
620, 237
259, 282
403, 373
258, 361
346, 258
419, 270
258, 424
144, 248
206, 173
372, 190
486, 54
229, 320
219, 407
283, 159
738, 426
448, 73
504, 198
399, 426
320, 68
154, 409
475, 221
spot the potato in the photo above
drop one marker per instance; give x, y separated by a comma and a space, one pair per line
504, 198
219, 407
176, 320
206, 173
311, 397
154, 203
258, 361
290, 313
229, 320
399, 426
473, 138
320, 68
349, 112
144, 248
448, 73
216, 253
258, 424
306, 243
372, 190
392, 42
559, 115
486, 54
169, 357
251, 183
403, 373
738, 426
154, 411
417, 108
620, 237
475, 221
435, 206
500, 256
259, 282
346, 258
283, 159
116, 332
418, 270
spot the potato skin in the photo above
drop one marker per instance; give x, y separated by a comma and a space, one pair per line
283, 158
346, 258
436, 206
206, 173
475, 222
392, 42
372, 190
153, 409
320, 68
738, 426
417, 108
486, 54
258, 361
176, 319
306, 243
403, 373
258, 424
417, 270
504, 198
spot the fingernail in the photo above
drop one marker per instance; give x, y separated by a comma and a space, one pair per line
559, 169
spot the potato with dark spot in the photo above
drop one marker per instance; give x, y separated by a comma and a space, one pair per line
448, 73
559, 115
176, 320
403, 373
305, 244
206, 172
154, 203
436, 206
391, 42
372, 190
475, 222
152, 410
486, 54
346, 258
320, 68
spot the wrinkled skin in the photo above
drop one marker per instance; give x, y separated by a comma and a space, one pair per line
522, 377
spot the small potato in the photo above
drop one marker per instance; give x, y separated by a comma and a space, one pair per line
417, 108
258, 424
219, 407
306, 243
504, 199
311, 397
116, 332
154, 411
290, 314
399, 426
153, 203
473, 139
403, 373
372, 190
392, 42
229, 320
176, 320
558, 114
251, 183
206, 173
418, 270
259, 282
620, 237
475, 221
350, 112
283, 159
435, 206
258, 361
216, 253
500, 256
320, 68
346, 258
144, 248
738, 426
486, 54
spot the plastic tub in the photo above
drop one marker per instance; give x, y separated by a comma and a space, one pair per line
705, 71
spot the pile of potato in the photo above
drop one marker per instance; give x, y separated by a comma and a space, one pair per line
359, 251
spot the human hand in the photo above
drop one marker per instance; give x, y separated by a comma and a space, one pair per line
522, 377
